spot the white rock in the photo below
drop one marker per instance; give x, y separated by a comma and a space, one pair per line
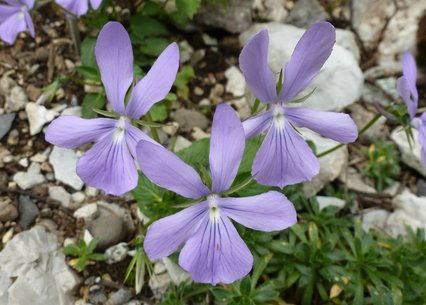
116, 253
410, 156
181, 143
331, 165
269, 10
87, 212
76, 110
37, 266
58, 193
78, 197
24, 162
176, 273
236, 83
38, 116
186, 51
374, 219
64, 165
346, 39
332, 91
32, 177
325, 201
15, 96
91, 191
354, 181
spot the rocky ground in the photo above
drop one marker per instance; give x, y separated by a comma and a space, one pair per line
44, 205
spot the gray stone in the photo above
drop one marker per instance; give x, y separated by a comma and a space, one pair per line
35, 262
305, 13
8, 211
374, 219
187, 119
236, 83
269, 10
362, 116
87, 212
76, 110
14, 95
58, 193
28, 211
119, 297
6, 121
354, 181
38, 116
98, 298
332, 91
32, 177
109, 228
235, 17
116, 253
64, 165
325, 201
347, 39
421, 187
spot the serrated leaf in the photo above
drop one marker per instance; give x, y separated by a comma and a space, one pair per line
188, 7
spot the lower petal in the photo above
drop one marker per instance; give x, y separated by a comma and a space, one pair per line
30, 24
133, 136
11, 27
256, 125
216, 253
284, 159
95, 4
109, 166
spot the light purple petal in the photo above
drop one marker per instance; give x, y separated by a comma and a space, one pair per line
71, 132
227, 145
166, 235
337, 126
310, 54
156, 84
7, 11
133, 136
109, 166
271, 211
14, 2
78, 8
284, 158
423, 157
12, 26
115, 60
216, 253
409, 70
254, 64
404, 92
30, 24
165, 169
95, 4
254, 126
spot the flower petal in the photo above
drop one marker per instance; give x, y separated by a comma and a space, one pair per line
95, 4
284, 158
12, 26
114, 55
69, 131
30, 24
310, 54
166, 235
216, 253
78, 8
337, 126
7, 11
165, 169
254, 64
109, 166
227, 145
404, 92
256, 125
156, 84
409, 70
271, 211
133, 136
423, 157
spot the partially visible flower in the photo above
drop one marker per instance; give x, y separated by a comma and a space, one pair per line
109, 164
407, 89
284, 157
15, 18
213, 252
79, 7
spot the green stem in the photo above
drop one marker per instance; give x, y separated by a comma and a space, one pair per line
255, 106
153, 130
360, 133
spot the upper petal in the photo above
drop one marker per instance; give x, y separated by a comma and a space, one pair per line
109, 166
115, 60
78, 8
6, 11
156, 84
70, 131
284, 158
404, 92
254, 64
95, 4
257, 124
165, 169
216, 253
409, 70
227, 145
337, 126
12, 26
166, 235
270, 211
309, 55
30, 24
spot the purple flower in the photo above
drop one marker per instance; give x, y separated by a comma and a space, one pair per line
284, 157
407, 89
79, 7
109, 164
213, 251
15, 18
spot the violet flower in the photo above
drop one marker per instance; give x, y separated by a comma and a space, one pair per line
213, 252
79, 7
407, 89
284, 157
109, 164
15, 18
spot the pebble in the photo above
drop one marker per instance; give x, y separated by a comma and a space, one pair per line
186, 51
13, 137
305, 13
64, 165
15, 96
91, 191
23, 162
78, 197
374, 219
98, 298
28, 211
7, 236
198, 134
87, 212
58, 193
38, 116
116, 253
8, 212
6, 121
109, 228
188, 119
119, 297
29, 179
236, 83
269, 10
181, 143
325, 201
353, 180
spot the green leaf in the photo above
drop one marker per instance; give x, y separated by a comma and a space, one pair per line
197, 154
188, 7
183, 77
89, 73
303, 98
87, 50
148, 194
108, 114
92, 101
72, 249
160, 111
259, 267
252, 146
154, 46
142, 27
97, 257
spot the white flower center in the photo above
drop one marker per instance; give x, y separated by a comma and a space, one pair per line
214, 208
21, 15
278, 117
119, 130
